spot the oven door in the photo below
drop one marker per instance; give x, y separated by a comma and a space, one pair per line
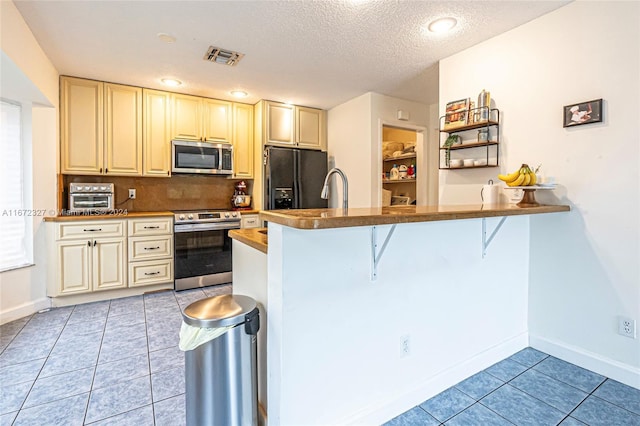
202, 254
90, 202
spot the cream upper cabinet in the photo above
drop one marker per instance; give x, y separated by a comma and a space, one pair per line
123, 130
310, 128
243, 141
289, 125
280, 125
101, 128
187, 117
217, 121
201, 119
156, 152
81, 129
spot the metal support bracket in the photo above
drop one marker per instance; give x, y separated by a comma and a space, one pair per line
486, 241
375, 257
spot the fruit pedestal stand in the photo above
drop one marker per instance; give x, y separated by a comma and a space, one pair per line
529, 199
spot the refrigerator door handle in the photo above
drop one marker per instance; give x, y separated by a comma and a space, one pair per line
296, 180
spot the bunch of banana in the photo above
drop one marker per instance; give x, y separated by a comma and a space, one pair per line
524, 176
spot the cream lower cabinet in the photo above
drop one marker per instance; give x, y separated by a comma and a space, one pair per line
92, 256
89, 257
150, 247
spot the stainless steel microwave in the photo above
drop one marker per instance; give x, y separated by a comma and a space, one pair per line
201, 157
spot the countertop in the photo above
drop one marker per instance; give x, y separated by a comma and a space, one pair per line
116, 215
338, 218
253, 237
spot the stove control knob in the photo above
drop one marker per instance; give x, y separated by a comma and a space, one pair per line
234, 214
103, 188
95, 188
181, 217
226, 215
86, 188
190, 216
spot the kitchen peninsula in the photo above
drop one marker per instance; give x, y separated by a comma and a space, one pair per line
369, 312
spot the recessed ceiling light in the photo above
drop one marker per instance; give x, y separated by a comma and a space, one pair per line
442, 25
239, 93
171, 82
167, 38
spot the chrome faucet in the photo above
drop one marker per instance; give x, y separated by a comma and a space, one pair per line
345, 187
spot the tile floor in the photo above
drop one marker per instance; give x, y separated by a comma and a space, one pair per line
106, 363
117, 363
530, 388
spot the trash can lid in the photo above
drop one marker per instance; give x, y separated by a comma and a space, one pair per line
219, 311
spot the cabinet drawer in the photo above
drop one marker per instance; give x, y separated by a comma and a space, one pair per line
143, 248
90, 229
150, 226
150, 272
250, 221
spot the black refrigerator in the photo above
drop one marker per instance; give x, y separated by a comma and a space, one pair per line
294, 178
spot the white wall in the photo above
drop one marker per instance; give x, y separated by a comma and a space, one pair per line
584, 266
354, 131
23, 291
334, 335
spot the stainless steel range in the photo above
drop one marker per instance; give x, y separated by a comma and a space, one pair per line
203, 247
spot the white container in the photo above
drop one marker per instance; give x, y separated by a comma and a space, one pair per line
455, 163
468, 162
482, 162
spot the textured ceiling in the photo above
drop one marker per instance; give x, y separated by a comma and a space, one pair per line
314, 53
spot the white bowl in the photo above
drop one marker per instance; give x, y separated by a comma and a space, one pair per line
455, 163
468, 162
482, 162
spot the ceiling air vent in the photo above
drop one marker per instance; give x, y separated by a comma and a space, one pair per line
221, 56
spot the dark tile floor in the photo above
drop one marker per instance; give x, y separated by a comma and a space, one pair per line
530, 388
117, 363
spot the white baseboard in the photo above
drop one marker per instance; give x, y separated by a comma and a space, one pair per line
382, 411
24, 310
597, 363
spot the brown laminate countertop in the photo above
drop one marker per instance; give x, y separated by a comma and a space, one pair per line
253, 237
129, 215
338, 218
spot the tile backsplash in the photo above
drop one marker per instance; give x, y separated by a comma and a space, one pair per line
180, 192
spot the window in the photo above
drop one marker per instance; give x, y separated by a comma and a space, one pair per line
14, 223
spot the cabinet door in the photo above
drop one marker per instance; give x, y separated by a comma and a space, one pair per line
187, 117
74, 267
109, 264
123, 130
81, 130
243, 141
156, 158
309, 127
217, 121
280, 124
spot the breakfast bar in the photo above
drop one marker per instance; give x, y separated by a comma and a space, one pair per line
371, 310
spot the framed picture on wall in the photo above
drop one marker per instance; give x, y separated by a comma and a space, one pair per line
583, 113
456, 113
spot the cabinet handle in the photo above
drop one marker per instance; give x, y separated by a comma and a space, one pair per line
88, 243
151, 227
152, 273
168, 173
92, 230
106, 170
100, 169
151, 248
95, 243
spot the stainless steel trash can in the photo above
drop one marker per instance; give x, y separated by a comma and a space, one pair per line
221, 375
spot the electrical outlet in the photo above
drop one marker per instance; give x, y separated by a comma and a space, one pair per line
405, 346
627, 327
132, 194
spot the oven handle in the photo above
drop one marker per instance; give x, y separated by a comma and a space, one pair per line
194, 227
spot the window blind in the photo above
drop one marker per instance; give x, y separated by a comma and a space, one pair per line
13, 249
